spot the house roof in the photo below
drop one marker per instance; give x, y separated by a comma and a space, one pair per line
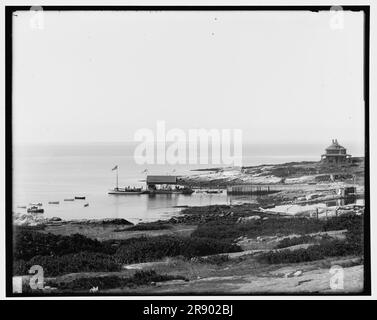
335, 145
161, 179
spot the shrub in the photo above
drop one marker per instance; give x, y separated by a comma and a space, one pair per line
328, 248
346, 221
108, 282
273, 226
146, 227
148, 249
288, 242
217, 259
69, 263
352, 245
32, 243
230, 230
218, 230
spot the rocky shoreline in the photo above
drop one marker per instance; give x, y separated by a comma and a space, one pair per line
295, 183
208, 249
286, 173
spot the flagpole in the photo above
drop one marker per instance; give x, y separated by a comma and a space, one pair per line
117, 178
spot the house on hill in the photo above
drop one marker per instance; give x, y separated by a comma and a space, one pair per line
336, 154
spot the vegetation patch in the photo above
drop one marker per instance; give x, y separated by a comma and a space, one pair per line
30, 243
331, 248
289, 242
272, 226
69, 263
76, 253
229, 230
109, 282
216, 259
146, 227
352, 245
149, 249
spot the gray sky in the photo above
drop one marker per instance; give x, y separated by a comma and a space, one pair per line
100, 76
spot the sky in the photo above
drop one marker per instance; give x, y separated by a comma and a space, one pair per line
280, 77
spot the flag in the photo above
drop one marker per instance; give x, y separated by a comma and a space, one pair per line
115, 168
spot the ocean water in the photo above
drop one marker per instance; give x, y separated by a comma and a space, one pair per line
43, 173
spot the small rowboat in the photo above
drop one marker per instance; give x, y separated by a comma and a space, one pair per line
21, 207
39, 204
80, 198
53, 202
86, 205
69, 199
213, 191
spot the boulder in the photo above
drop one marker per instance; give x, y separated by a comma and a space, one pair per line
298, 273
55, 219
247, 219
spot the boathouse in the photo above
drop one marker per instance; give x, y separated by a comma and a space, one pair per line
166, 184
336, 154
165, 181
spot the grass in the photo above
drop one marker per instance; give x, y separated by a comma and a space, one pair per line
227, 229
109, 282
146, 227
76, 253
69, 263
352, 245
330, 248
30, 243
288, 242
149, 249
218, 260
273, 226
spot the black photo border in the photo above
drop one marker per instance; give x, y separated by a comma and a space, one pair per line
9, 10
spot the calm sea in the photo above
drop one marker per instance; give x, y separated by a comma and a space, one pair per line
43, 173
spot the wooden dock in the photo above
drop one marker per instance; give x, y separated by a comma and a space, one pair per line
251, 189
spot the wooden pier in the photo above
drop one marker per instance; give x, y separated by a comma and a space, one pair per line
251, 189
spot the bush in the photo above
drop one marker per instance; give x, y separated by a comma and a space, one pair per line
76, 253
329, 248
218, 230
149, 249
108, 282
218, 259
32, 243
230, 230
288, 242
346, 221
352, 245
146, 227
69, 263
